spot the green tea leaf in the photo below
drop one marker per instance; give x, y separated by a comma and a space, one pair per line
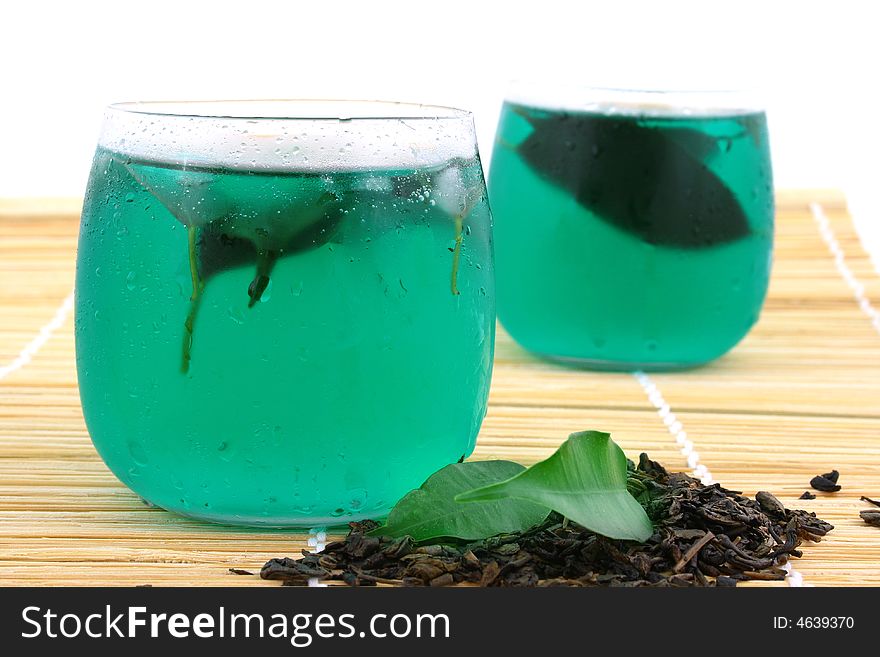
584, 480
619, 167
431, 512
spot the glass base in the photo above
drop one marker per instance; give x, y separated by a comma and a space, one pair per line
622, 366
339, 523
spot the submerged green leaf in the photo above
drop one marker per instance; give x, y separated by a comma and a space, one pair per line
431, 512
649, 179
584, 480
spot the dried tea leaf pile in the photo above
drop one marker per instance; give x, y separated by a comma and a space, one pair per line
703, 536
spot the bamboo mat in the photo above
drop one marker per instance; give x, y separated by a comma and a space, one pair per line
799, 396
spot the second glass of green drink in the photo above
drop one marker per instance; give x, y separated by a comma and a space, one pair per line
284, 310
634, 229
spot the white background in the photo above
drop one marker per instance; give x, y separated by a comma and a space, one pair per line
816, 64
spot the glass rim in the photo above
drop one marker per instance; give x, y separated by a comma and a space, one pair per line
658, 101
322, 109
304, 135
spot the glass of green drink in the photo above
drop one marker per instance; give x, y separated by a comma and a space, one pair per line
285, 309
634, 229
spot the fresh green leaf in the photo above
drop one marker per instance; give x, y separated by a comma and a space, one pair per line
431, 512
584, 480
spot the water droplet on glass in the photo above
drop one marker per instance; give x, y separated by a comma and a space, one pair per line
358, 498
236, 315
267, 293
137, 452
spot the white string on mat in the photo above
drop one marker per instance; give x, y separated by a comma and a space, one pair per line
854, 284
675, 428
31, 348
317, 541
700, 470
794, 578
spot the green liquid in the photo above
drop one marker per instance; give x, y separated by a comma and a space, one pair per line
352, 375
630, 241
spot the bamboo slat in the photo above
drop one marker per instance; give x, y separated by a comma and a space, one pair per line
799, 396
